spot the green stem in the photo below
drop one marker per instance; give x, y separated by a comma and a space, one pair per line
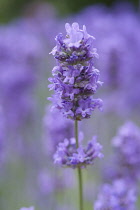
80, 182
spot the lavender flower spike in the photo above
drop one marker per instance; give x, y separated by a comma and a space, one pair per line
68, 155
75, 80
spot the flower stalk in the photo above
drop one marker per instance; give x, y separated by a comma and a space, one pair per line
80, 180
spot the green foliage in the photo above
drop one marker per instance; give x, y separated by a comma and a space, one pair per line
10, 9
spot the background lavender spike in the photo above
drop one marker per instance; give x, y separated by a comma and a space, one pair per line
118, 195
127, 150
56, 128
124, 162
18, 72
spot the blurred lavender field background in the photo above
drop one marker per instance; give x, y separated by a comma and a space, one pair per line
30, 132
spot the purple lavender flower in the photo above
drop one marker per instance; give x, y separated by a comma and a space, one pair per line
54, 134
127, 148
75, 79
68, 155
117, 196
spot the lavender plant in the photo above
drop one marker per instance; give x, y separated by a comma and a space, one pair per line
75, 81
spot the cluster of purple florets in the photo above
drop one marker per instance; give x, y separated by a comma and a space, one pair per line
116, 196
75, 80
69, 155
